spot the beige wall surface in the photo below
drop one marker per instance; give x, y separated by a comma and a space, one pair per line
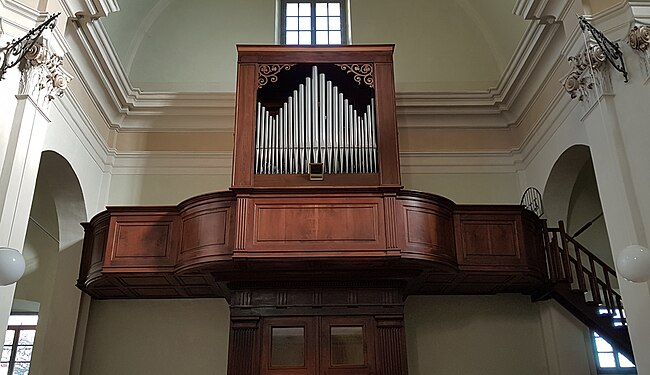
171, 189
209, 66
438, 42
41, 251
440, 45
474, 335
584, 207
463, 188
165, 189
162, 337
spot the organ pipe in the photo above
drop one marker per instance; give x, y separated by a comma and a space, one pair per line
316, 124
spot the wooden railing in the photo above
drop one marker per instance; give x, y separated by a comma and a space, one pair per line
568, 261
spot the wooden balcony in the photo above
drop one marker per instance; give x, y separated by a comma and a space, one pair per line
424, 243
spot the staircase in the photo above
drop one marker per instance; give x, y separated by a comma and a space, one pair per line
584, 285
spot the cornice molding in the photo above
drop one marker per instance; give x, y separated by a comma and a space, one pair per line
130, 103
87, 133
484, 109
220, 163
22, 10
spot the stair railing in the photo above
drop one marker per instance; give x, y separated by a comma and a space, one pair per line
569, 261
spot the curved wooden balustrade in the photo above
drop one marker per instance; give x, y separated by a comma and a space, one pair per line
423, 241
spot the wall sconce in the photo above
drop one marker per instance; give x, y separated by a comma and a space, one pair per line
12, 265
634, 263
15, 51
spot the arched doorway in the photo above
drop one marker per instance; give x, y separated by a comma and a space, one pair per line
571, 195
53, 252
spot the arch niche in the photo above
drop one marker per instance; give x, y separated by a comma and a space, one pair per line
53, 253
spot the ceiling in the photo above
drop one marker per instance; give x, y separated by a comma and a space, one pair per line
189, 45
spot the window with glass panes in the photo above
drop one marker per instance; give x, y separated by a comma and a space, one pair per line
18, 345
313, 22
609, 360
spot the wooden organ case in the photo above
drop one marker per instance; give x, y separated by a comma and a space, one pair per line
316, 246
316, 158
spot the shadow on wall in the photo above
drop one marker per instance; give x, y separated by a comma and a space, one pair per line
53, 253
571, 195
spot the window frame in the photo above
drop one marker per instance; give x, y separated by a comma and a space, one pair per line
345, 35
609, 370
617, 321
14, 344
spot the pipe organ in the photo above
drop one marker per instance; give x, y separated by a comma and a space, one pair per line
316, 124
329, 108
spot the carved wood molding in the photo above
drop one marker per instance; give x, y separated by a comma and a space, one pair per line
362, 73
269, 73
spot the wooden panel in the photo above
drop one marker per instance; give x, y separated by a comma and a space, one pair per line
242, 170
142, 241
426, 224
312, 225
298, 54
243, 350
332, 223
428, 232
490, 240
205, 228
206, 234
367, 365
309, 365
391, 346
387, 125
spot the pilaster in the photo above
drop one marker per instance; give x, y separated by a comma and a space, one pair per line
618, 133
42, 79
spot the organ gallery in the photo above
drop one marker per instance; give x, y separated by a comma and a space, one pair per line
316, 245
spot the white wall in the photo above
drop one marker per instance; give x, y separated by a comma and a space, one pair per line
157, 337
162, 189
442, 45
474, 335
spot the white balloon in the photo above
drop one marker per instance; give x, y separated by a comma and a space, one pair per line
634, 263
12, 265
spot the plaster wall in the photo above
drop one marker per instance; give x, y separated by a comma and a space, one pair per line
584, 207
141, 37
157, 337
474, 335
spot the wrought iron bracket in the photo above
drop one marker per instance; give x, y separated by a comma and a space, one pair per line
532, 201
610, 49
15, 51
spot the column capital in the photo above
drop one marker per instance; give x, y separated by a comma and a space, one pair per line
42, 74
588, 70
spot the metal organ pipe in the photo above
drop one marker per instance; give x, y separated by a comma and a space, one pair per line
316, 124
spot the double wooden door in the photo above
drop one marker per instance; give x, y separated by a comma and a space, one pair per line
318, 345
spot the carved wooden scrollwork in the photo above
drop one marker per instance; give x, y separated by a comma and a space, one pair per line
362, 73
269, 73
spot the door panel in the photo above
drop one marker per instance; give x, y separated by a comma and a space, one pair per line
347, 346
289, 346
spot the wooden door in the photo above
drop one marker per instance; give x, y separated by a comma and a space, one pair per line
347, 346
289, 346
312, 345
